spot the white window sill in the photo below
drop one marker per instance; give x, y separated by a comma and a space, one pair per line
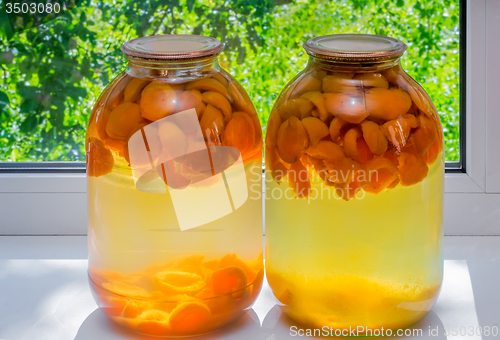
45, 294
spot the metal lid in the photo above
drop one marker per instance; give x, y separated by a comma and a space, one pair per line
355, 47
172, 46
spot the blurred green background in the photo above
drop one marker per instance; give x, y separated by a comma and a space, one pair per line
51, 75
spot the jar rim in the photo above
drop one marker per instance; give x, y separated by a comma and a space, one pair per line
172, 47
355, 47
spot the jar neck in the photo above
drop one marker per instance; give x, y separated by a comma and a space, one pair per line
355, 66
179, 70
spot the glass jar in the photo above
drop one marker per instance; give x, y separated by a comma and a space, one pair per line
354, 190
174, 152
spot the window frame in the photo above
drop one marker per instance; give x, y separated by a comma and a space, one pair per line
50, 199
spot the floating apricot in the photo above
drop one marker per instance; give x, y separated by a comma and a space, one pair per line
189, 317
397, 130
374, 137
233, 260
240, 133
208, 84
122, 120
318, 100
101, 121
115, 144
274, 164
306, 84
326, 150
412, 170
158, 100
379, 174
387, 104
212, 123
190, 100
432, 154
299, 107
344, 170
173, 139
298, 179
292, 140
227, 280
340, 83
154, 322
355, 146
372, 80
134, 88
336, 127
273, 125
316, 129
220, 78
219, 101
424, 136
349, 108
177, 282
99, 159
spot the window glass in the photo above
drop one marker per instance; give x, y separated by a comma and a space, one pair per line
51, 74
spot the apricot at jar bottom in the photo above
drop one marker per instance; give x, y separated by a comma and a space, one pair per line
174, 183
354, 190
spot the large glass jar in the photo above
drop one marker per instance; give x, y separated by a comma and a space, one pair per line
174, 172
354, 190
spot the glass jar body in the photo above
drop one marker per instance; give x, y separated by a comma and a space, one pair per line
163, 156
354, 197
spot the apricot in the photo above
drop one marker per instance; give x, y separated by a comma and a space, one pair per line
134, 88
229, 280
387, 104
343, 170
153, 321
298, 179
240, 133
336, 128
432, 154
349, 108
374, 138
424, 136
305, 84
299, 107
379, 174
189, 317
412, 170
318, 100
99, 159
115, 144
212, 123
190, 100
220, 78
173, 139
326, 150
219, 101
372, 80
292, 140
316, 129
340, 83
127, 290
398, 130
122, 120
101, 122
355, 146
178, 282
274, 164
158, 100
233, 260
208, 84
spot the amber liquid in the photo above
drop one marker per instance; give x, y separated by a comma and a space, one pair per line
131, 232
373, 261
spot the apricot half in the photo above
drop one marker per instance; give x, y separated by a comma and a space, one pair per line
99, 159
326, 150
229, 280
134, 88
374, 137
398, 130
412, 169
318, 100
275, 165
299, 107
349, 108
355, 146
240, 133
387, 104
158, 100
212, 123
298, 179
379, 174
336, 128
316, 129
190, 100
306, 84
208, 84
122, 120
372, 80
177, 282
292, 140
219, 101
424, 136
189, 317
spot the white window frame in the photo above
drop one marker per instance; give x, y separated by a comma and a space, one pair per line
56, 204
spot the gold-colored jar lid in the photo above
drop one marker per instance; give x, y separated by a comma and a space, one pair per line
172, 46
355, 47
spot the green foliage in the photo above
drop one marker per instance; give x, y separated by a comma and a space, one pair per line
50, 75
